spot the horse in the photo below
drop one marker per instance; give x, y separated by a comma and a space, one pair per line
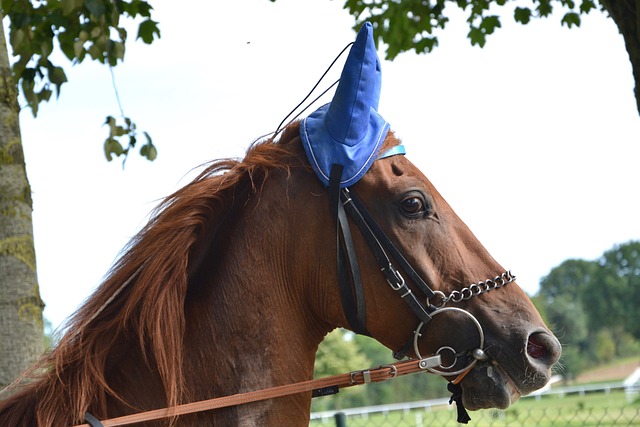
231, 287
239, 275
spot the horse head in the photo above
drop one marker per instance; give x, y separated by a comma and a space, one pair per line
490, 339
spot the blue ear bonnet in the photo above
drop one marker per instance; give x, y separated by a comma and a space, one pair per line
349, 131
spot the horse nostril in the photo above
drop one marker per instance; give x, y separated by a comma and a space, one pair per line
535, 348
543, 347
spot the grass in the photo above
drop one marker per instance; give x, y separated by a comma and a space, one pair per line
592, 409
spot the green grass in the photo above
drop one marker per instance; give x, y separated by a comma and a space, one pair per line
592, 409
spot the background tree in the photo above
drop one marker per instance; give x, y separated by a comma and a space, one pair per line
613, 298
337, 354
593, 306
568, 320
21, 340
81, 28
571, 277
410, 25
361, 352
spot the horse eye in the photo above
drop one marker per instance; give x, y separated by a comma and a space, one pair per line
413, 205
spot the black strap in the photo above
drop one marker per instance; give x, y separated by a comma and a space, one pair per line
92, 421
349, 278
406, 348
384, 240
456, 396
375, 238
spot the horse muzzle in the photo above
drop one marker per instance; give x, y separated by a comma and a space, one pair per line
507, 375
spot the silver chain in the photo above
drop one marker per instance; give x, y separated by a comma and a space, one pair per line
475, 289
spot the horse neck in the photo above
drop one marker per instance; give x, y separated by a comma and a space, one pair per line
249, 325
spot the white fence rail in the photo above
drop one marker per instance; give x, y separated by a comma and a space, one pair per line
630, 385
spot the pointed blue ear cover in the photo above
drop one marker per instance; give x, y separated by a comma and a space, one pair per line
349, 131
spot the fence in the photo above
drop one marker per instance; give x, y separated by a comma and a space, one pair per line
603, 405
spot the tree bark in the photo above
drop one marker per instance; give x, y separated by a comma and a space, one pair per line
626, 15
21, 327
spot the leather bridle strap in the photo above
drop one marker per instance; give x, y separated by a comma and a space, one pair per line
365, 221
316, 386
349, 279
379, 243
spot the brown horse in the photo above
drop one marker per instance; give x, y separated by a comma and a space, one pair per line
231, 287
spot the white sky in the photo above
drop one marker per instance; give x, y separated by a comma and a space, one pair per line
534, 140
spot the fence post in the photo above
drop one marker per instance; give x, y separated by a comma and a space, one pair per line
341, 419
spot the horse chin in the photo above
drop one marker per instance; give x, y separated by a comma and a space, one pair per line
488, 386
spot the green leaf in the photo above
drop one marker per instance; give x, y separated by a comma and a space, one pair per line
477, 37
78, 48
69, 6
95, 7
66, 40
44, 95
123, 34
18, 39
149, 150
586, 6
544, 8
427, 44
114, 129
29, 93
111, 146
571, 19
147, 30
95, 32
489, 24
95, 52
137, 7
115, 52
28, 74
522, 15
57, 75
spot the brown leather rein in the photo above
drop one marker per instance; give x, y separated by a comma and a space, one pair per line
318, 387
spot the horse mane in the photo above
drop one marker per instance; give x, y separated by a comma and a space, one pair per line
143, 296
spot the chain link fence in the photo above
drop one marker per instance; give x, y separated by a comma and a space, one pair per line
594, 409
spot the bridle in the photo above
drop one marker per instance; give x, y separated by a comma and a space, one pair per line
345, 203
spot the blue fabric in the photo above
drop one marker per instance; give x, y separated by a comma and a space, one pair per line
349, 131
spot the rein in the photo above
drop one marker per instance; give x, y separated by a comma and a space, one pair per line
317, 387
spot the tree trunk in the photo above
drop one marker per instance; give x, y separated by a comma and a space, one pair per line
21, 331
626, 15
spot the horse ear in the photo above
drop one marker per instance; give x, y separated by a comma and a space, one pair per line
358, 92
349, 131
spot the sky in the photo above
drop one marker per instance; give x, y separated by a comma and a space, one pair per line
534, 140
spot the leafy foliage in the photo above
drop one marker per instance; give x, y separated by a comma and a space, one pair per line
361, 352
337, 354
411, 24
113, 147
82, 28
